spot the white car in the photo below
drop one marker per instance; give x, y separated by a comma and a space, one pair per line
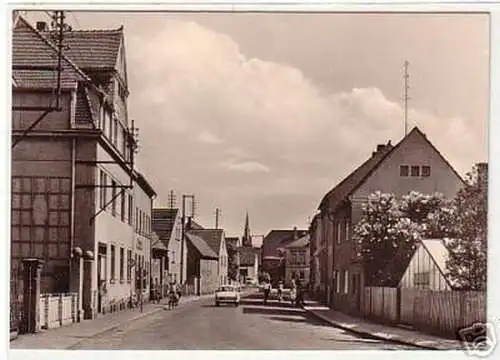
227, 294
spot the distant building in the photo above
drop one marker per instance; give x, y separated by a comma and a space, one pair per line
215, 239
273, 251
247, 237
167, 223
297, 265
202, 265
248, 262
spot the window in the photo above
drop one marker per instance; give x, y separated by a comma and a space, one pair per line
346, 282
426, 171
102, 189
113, 196
338, 232
122, 264
124, 143
136, 225
173, 257
123, 204
403, 170
302, 275
115, 131
347, 230
129, 265
130, 210
415, 171
337, 281
113, 262
421, 279
110, 126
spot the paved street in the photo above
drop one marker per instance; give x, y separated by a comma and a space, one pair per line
252, 326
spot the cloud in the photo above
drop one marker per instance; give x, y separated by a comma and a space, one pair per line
186, 78
209, 138
248, 167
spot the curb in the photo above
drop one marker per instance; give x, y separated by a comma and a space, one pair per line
370, 335
139, 316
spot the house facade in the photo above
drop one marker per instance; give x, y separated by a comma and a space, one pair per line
167, 223
273, 251
202, 265
414, 164
248, 263
82, 207
297, 261
216, 241
427, 267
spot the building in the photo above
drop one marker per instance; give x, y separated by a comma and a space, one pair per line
273, 251
202, 265
427, 267
215, 239
246, 240
316, 251
167, 223
77, 202
297, 263
248, 263
414, 164
159, 265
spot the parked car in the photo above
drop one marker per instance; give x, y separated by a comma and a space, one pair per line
227, 294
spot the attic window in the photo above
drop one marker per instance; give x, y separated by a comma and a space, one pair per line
426, 171
404, 170
415, 171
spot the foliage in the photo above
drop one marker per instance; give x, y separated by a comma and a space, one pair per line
467, 263
232, 263
389, 230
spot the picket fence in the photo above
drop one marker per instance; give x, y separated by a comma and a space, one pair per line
439, 312
58, 309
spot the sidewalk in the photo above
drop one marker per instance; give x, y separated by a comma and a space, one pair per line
66, 337
378, 331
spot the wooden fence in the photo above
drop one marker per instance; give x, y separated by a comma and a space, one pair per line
58, 310
440, 312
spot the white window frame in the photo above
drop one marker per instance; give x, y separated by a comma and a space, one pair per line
339, 230
337, 281
346, 281
347, 229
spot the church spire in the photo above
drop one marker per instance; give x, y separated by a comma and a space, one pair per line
247, 238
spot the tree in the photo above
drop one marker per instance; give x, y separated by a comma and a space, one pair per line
467, 263
232, 264
389, 230
382, 233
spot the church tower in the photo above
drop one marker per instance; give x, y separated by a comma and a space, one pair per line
247, 238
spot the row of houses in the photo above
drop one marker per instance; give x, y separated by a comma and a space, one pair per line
84, 229
330, 262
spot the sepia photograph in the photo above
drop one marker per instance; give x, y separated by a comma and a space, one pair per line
249, 180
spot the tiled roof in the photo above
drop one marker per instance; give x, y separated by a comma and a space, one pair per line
347, 186
94, 49
276, 239
340, 192
247, 255
202, 247
299, 243
30, 47
212, 237
163, 221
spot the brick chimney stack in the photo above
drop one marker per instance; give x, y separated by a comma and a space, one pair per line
42, 26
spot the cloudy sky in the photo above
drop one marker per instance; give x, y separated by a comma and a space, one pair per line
267, 112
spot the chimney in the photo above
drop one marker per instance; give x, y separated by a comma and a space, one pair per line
295, 234
379, 150
41, 26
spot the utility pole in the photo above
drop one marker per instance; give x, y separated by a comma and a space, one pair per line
218, 213
171, 200
183, 220
406, 80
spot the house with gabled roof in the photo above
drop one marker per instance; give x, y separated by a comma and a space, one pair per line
215, 239
92, 224
414, 164
297, 264
273, 251
167, 223
202, 265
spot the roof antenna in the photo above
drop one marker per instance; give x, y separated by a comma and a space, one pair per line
406, 79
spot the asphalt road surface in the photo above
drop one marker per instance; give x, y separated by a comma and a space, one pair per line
200, 325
